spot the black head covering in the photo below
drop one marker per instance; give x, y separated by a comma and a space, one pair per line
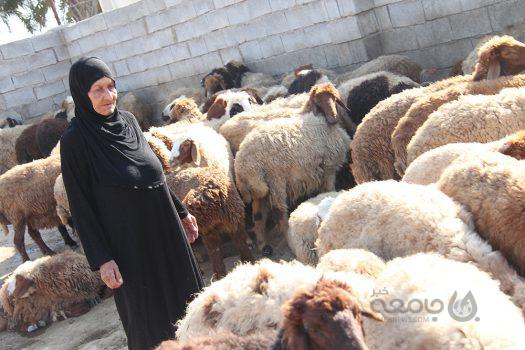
116, 146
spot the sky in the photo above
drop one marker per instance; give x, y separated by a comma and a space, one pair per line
18, 31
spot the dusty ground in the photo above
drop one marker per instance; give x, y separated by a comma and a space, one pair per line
98, 329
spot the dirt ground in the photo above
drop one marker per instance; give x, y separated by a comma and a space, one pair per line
100, 328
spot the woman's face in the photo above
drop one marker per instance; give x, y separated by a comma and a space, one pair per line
103, 96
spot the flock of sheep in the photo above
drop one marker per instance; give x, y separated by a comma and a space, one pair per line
375, 183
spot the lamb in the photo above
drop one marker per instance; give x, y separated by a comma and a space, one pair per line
430, 302
131, 102
371, 149
314, 318
181, 93
359, 261
428, 167
303, 225
491, 62
247, 300
26, 199
496, 201
395, 219
363, 93
8, 139
472, 118
308, 148
10, 122
52, 286
395, 64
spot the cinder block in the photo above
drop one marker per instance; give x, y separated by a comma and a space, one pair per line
163, 74
17, 49
10, 113
278, 5
444, 55
135, 11
310, 13
406, 13
61, 53
107, 54
138, 28
6, 85
116, 18
215, 40
258, 8
154, 6
271, 46
57, 71
197, 47
367, 23
92, 25
332, 9
181, 69
238, 13
223, 3
233, 35
92, 42
74, 49
19, 97
47, 40
317, 35
474, 4
506, 13
255, 29
159, 39
379, 3
170, 3
3, 106
331, 55
210, 61
251, 51
37, 108
436, 9
71, 32
352, 7
294, 41
180, 52
49, 89
130, 48
470, 23
383, 18
344, 29
434, 32
216, 19
41, 59
202, 6
276, 23
314, 56
117, 35
352, 52
399, 40
121, 68
29, 78
231, 53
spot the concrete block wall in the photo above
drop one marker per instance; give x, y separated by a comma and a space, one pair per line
154, 46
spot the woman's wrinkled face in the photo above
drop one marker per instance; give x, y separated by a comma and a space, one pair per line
103, 96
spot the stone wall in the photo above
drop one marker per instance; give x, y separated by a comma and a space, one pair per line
154, 46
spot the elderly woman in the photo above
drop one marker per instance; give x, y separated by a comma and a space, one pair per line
128, 220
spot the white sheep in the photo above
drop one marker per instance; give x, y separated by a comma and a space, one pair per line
396, 64
358, 261
430, 302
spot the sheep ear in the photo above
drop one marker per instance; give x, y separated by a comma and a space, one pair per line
24, 287
494, 70
367, 311
195, 154
217, 109
222, 82
342, 104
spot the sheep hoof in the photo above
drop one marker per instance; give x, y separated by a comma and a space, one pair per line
267, 250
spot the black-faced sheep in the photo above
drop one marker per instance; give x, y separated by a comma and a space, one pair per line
48, 133
395, 64
26, 199
131, 102
472, 118
26, 146
48, 288
308, 148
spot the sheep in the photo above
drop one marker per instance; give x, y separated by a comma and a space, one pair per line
472, 118
134, 104
26, 146
429, 302
496, 201
62, 208
363, 93
218, 79
10, 122
395, 64
247, 300
275, 92
428, 167
468, 65
242, 77
210, 195
255, 99
195, 94
8, 139
305, 79
308, 148
48, 133
289, 78
359, 261
316, 317
395, 219
26, 199
371, 149
185, 109
51, 286
491, 62
303, 224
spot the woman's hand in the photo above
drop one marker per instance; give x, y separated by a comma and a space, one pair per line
190, 228
110, 274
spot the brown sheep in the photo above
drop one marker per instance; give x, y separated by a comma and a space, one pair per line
50, 287
26, 146
218, 79
48, 133
185, 109
498, 52
515, 147
26, 199
325, 317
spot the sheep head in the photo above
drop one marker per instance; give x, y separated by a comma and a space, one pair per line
230, 103
327, 317
515, 146
214, 83
502, 55
185, 151
305, 80
184, 109
323, 99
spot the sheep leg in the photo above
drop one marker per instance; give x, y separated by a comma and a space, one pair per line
66, 237
239, 239
279, 205
329, 180
20, 228
259, 221
37, 238
212, 243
